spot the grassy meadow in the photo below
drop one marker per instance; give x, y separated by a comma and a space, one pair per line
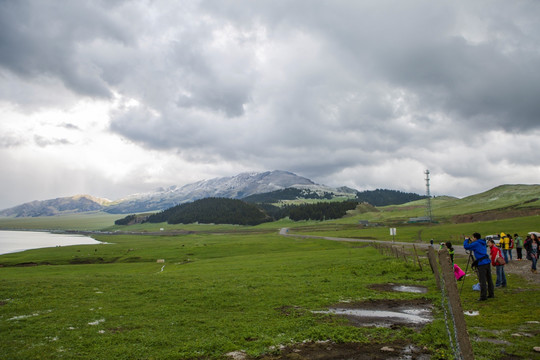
217, 293
213, 295
225, 288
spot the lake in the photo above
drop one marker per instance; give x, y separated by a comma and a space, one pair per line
15, 241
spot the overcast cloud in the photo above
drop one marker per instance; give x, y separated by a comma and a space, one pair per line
112, 98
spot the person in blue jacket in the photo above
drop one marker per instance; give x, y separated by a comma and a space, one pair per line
478, 245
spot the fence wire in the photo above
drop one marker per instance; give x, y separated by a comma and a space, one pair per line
452, 339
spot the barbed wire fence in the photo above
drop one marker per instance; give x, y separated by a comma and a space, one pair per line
443, 271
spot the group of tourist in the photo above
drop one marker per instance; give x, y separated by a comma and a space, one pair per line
498, 255
509, 242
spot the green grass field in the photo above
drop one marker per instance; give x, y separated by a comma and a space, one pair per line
225, 288
218, 293
214, 294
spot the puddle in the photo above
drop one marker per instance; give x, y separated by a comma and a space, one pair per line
410, 289
400, 288
382, 318
384, 313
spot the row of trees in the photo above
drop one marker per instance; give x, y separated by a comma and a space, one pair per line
320, 211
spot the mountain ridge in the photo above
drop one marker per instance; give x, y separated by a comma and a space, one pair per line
234, 187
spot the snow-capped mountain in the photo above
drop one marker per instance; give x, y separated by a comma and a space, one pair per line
234, 187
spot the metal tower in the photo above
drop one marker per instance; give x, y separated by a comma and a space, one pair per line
428, 205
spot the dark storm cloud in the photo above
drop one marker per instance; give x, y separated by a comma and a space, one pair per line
418, 46
474, 83
46, 38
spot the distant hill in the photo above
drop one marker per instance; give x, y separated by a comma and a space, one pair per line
501, 202
236, 187
379, 197
272, 187
58, 206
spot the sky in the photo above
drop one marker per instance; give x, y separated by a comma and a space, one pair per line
111, 98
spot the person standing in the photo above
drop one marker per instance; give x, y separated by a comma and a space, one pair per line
510, 245
532, 246
527, 246
450, 248
478, 246
495, 252
519, 246
504, 244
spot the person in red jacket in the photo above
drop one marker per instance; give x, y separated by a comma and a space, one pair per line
496, 252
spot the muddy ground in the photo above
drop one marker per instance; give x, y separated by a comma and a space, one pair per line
350, 351
326, 350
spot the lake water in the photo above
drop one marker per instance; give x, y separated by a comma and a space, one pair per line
15, 241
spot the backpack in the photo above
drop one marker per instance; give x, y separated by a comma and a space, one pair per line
511, 246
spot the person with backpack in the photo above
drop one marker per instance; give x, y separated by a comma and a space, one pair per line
519, 246
510, 245
504, 244
483, 263
495, 253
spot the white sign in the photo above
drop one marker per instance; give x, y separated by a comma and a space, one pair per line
393, 231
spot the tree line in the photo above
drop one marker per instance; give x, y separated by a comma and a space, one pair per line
383, 197
238, 212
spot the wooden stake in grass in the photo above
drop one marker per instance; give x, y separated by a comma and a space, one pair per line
417, 258
455, 304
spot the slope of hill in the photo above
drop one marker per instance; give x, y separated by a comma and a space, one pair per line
58, 206
505, 201
236, 187
291, 193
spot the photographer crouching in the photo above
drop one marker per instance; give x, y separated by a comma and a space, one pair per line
483, 263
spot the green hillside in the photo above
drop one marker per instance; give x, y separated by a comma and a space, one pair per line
501, 197
503, 201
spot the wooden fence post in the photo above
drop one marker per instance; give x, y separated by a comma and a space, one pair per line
417, 258
434, 267
455, 304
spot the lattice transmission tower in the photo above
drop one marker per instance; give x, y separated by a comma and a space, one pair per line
428, 195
